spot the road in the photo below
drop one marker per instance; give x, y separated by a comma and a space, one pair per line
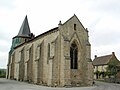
6, 84
106, 86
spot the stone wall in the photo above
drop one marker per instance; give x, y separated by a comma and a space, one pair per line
45, 60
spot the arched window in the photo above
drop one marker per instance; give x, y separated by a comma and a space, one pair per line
74, 56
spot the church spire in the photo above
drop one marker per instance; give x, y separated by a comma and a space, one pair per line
23, 35
25, 29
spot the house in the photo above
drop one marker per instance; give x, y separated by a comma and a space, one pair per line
101, 64
58, 57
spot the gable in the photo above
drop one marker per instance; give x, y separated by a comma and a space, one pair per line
74, 19
72, 26
113, 60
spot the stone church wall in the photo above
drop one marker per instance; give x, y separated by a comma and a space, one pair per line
46, 59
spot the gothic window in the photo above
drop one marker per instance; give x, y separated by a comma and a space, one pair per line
27, 54
38, 52
74, 56
13, 58
48, 52
22, 55
52, 48
30, 53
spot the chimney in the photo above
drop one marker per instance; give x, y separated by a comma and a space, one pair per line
95, 56
113, 53
60, 23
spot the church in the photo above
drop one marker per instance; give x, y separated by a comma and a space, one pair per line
59, 57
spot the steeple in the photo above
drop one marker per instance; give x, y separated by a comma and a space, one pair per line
23, 35
25, 29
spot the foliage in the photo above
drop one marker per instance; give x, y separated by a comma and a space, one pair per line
112, 68
2, 73
111, 71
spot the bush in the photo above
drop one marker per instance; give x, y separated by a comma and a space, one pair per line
2, 76
2, 73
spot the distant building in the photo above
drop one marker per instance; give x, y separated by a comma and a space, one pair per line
101, 63
58, 57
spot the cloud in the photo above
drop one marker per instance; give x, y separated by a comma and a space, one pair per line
3, 59
5, 46
106, 31
101, 17
105, 50
7, 4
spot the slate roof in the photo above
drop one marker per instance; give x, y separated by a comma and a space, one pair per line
25, 29
45, 33
103, 60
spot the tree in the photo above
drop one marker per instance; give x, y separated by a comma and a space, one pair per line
0, 72
112, 69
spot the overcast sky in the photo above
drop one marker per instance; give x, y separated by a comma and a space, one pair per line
101, 17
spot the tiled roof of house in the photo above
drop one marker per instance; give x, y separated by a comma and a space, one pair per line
103, 60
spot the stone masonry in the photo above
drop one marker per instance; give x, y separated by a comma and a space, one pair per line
58, 57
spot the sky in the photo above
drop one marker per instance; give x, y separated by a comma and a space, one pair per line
101, 17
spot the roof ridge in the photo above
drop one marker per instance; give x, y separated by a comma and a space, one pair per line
102, 60
105, 55
40, 35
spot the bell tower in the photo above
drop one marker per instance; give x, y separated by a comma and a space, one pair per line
23, 35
